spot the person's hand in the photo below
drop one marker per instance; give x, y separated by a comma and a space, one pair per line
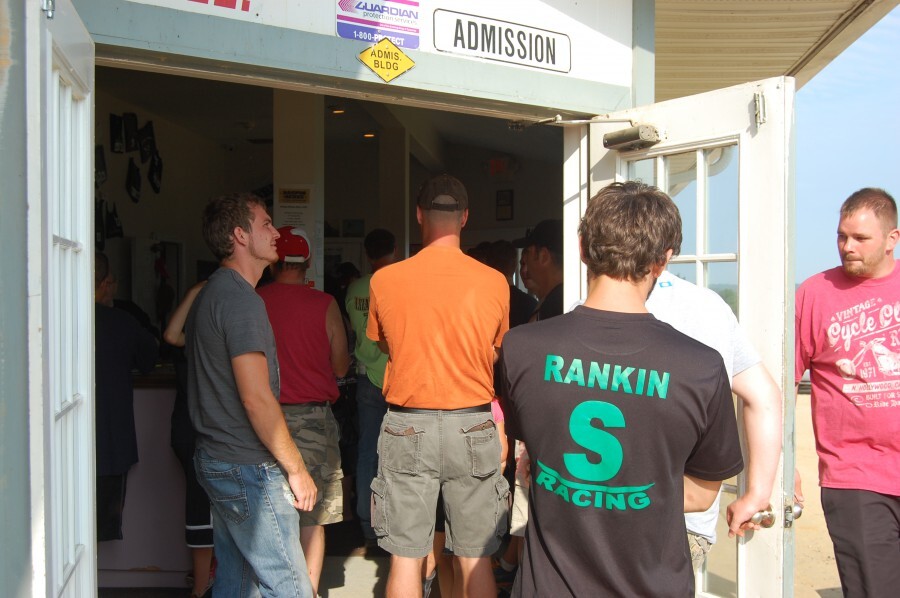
798, 491
739, 514
304, 489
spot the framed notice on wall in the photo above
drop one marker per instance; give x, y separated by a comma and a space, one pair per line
294, 206
505, 204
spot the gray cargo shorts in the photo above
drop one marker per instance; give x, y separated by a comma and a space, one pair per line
424, 452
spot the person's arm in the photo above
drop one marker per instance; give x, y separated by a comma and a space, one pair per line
699, 495
761, 408
337, 336
251, 373
798, 485
504, 445
174, 332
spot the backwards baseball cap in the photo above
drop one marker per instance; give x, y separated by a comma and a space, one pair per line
547, 233
293, 245
444, 193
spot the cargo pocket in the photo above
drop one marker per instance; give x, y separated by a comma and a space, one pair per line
400, 449
379, 506
225, 486
483, 448
502, 488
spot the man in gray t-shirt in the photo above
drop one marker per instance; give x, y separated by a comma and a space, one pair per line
245, 458
703, 315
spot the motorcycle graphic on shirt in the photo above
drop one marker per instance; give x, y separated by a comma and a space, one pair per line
887, 361
869, 335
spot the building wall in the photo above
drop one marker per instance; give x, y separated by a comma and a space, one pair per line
194, 170
15, 516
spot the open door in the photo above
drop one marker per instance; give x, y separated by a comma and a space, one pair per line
726, 158
61, 312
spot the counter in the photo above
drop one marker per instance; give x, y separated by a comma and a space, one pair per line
153, 552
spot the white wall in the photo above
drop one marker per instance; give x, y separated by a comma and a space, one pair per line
194, 170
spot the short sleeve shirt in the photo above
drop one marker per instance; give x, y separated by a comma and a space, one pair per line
848, 335
615, 409
704, 316
227, 319
366, 351
441, 313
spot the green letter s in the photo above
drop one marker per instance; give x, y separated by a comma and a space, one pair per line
596, 440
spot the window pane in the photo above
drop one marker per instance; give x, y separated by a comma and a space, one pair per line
643, 171
681, 175
686, 271
722, 278
722, 199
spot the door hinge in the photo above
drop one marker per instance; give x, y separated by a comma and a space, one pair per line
49, 7
759, 102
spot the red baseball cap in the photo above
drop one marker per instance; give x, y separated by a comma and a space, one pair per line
293, 245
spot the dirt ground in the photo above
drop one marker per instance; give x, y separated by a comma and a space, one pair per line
815, 572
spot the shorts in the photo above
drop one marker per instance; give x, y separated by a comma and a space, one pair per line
198, 531
316, 434
110, 506
519, 515
699, 546
454, 453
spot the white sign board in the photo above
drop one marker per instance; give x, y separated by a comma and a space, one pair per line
471, 35
588, 41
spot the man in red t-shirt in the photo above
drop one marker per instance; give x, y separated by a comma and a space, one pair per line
312, 351
847, 326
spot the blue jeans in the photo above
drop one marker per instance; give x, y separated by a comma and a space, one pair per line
370, 408
256, 530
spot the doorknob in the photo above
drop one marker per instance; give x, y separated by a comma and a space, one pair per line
792, 512
764, 518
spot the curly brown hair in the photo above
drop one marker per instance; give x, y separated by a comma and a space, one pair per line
627, 229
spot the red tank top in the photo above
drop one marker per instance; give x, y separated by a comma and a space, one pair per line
297, 314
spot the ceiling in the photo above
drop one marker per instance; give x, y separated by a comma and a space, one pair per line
700, 46
232, 114
706, 45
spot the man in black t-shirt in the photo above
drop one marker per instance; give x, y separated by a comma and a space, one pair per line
628, 422
542, 267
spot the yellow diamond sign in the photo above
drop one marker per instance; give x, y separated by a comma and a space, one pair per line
386, 60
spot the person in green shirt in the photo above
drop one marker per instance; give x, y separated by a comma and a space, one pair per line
380, 246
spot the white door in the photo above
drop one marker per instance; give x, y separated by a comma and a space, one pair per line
61, 314
726, 158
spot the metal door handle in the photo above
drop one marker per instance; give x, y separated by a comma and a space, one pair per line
764, 518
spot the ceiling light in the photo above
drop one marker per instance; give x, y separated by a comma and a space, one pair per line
336, 109
369, 135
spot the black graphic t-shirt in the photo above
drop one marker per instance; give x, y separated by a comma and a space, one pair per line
614, 409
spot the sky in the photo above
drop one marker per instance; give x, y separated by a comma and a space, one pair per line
848, 136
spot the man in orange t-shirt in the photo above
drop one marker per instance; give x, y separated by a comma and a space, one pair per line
440, 317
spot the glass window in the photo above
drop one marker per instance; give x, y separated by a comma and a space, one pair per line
687, 272
681, 183
643, 171
721, 199
721, 277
